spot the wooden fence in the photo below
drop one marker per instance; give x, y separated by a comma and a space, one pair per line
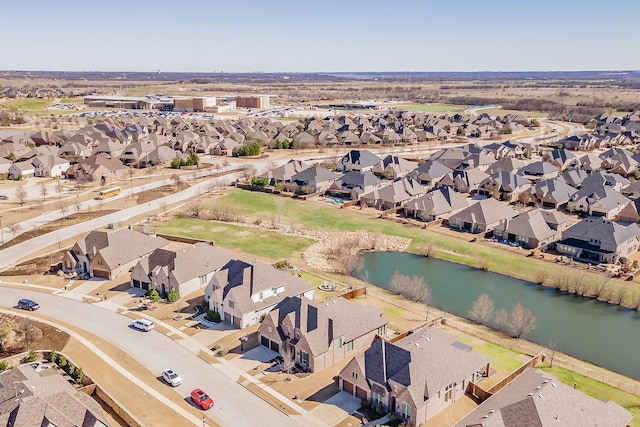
183, 239
354, 293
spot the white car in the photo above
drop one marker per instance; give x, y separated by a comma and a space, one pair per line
172, 378
143, 324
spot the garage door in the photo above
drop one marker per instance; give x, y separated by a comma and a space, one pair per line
236, 321
361, 393
264, 341
275, 347
103, 274
347, 386
227, 317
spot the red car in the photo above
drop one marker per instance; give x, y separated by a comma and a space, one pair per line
201, 399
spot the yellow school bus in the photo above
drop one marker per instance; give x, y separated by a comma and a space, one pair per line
110, 192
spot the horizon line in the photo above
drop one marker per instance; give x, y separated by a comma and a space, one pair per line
157, 71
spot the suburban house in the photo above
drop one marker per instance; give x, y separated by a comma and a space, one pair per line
505, 164
185, 270
505, 186
537, 171
393, 167
439, 203
464, 181
561, 158
537, 398
283, 174
243, 293
600, 240
22, 170
597, 201
482, 216
631, 212
110, 253
98, 168
358, 160
417, 376
50, 166
353, 184
430, 172
320, 334
318, 179
528, 230
28, 397
400, 191
574, 177
549, 193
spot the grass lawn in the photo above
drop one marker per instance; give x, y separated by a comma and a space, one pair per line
501, 358
314, 280
28, 104
72, 101
599, 390
249, 240
431, 108
500, 112
330, 218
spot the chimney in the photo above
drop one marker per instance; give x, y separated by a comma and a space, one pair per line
330, 331
384, 361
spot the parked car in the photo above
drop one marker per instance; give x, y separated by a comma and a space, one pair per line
3, 197
27, 304
171, 377
201, 399
143, 324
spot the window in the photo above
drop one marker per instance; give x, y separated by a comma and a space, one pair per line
203, 280
378, 398
354, 374
340, 342
261, 297
350, 346
305, 358
447, 393
406, 410
231, 304
382, 329
270, 329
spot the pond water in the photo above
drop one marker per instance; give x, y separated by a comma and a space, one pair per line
601, 333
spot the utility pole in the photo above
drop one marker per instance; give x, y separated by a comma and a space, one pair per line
1, 230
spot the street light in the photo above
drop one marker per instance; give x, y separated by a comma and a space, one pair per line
1, 230
203, 422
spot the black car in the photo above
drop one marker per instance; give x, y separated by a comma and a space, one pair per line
27, 304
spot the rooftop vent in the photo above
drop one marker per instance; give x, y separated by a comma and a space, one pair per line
540, 395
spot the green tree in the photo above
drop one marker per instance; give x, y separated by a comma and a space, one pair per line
193, 159
78, 375
173, 296
153, 295
259, 182
176, 163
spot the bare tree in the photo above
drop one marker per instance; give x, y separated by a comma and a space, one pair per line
44, 191
351, 263
553, 346
398, 282
63, 209
521, 320
482, 309
5, 328
163, 206
288, 358
29, 332
500, 319
177, 180
599, 287
248, 172
14, 229
21, 197
195, 208
59, 187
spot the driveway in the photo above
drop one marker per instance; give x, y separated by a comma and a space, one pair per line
337, 408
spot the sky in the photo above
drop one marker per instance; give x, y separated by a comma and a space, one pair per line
319, 35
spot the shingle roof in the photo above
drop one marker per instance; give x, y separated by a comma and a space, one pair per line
610, 234
485, 212
536, 398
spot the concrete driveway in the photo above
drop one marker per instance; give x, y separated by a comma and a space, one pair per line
250, 359
336, 408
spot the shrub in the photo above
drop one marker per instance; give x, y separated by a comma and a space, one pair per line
216, 347
62, 361
173, 296
79, 375
379, 409
4, 366
223, 351
71, 369
53, 356
259, 182
32, 356
393, 417
213, 316
153, 295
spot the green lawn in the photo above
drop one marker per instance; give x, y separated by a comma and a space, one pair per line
599, 390
28, 104
431, 108
331, 218
249, 240
314, 280
71, 101
501, 357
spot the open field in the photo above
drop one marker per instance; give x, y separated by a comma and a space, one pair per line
429, 108
28, 104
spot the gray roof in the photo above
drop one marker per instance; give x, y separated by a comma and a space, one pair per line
530, 224
315, 175
438, 201
116, 246
362, 158
424, 363
506, 164
610, 234
400, 190
538, 169
507, 180
574, 177
286, 171
536, 398
556, 190
485, 212
431, 170
322, 322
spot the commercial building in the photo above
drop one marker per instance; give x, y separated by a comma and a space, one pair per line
147, 102
195, 104
254, 101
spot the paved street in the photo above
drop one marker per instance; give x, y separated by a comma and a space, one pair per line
157, 351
